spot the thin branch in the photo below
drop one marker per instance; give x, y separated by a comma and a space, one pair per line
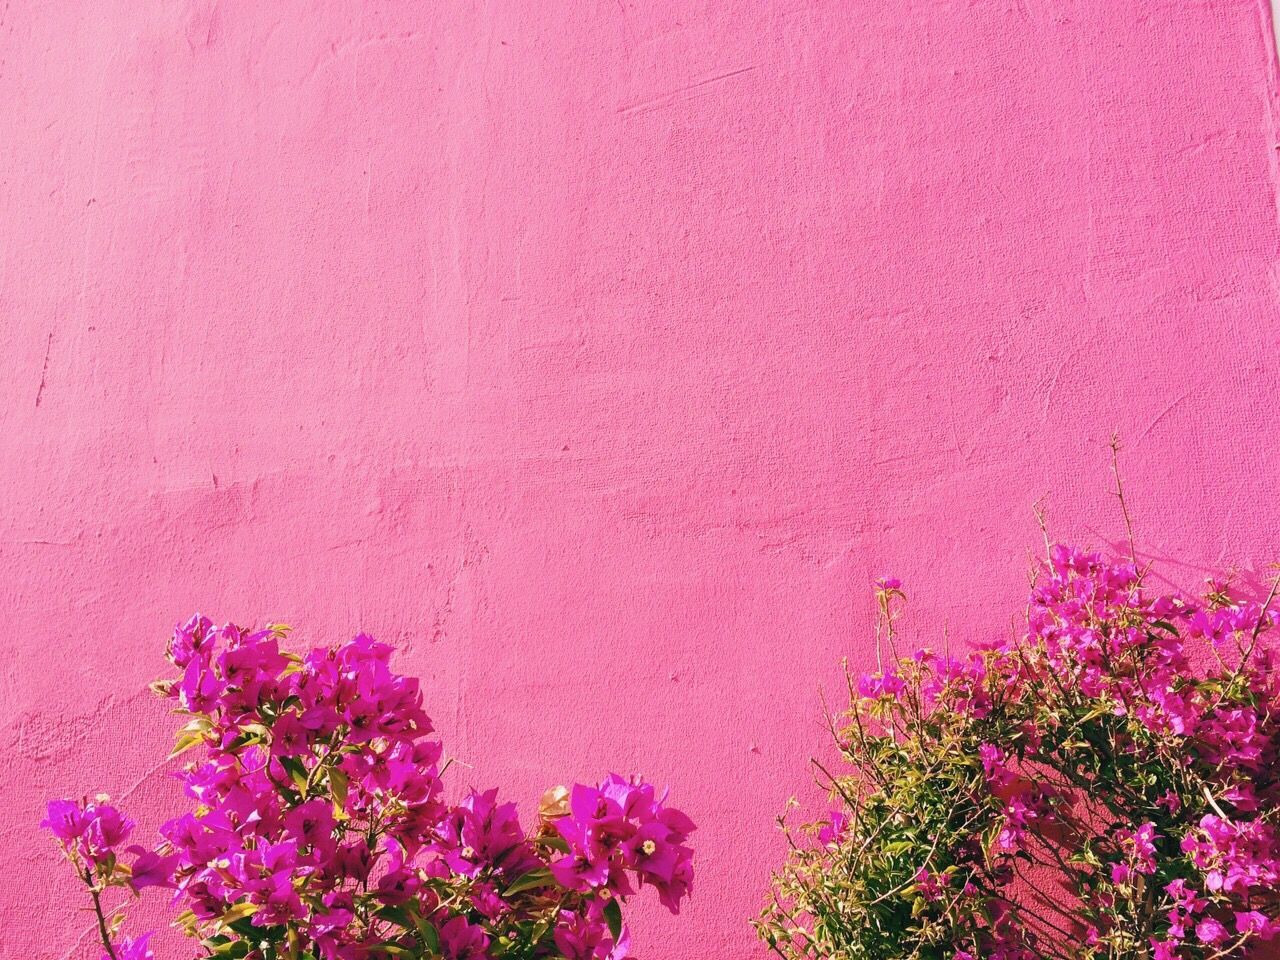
102, 920
1124, 507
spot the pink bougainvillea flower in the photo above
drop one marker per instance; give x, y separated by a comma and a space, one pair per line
884, 684
151, 869
587, 937
460, 940
1123, 750
138, 948
832, 830
319, 822
105, 829
65, 819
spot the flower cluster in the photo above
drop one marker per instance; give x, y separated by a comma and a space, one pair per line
622, 829
319, 829
1104, 785
93, 830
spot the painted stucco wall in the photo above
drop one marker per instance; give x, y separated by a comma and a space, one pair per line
599, 354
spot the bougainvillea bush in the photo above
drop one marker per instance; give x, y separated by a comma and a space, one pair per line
318, 827
1104, 785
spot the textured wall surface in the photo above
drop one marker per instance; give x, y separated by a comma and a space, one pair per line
599, 354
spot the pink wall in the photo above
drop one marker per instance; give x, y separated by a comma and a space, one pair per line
599, 354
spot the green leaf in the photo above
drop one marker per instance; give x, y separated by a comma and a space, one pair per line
239, 911
191, 735
187, 921
540, 930
338, 787
297, 773
226, 949
430, 937
557, 842
540, 877
613, 915
397, 915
